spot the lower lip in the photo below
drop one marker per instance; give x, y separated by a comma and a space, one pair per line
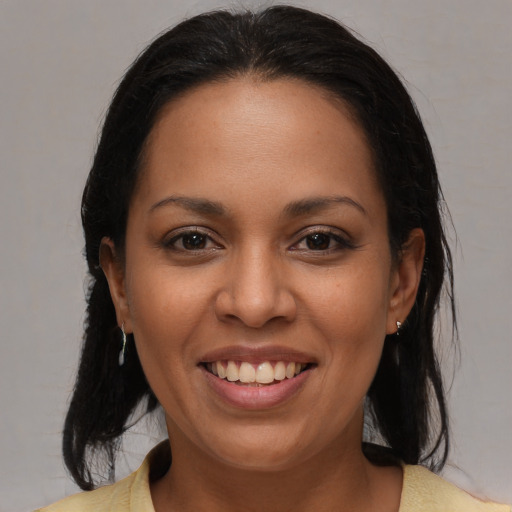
252, 397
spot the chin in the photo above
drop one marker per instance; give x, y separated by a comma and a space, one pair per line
261, 450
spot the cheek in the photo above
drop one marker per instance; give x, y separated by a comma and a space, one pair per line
159, 293
350, 312
166, 315
166, 309
351, 300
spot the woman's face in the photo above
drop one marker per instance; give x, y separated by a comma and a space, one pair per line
257, 248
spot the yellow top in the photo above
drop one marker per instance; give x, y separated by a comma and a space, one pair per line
422, 491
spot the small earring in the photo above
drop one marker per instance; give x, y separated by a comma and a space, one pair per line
121, 353
398, 327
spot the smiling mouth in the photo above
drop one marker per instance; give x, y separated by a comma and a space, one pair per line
248, 374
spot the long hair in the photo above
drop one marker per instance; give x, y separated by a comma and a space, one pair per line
278, 42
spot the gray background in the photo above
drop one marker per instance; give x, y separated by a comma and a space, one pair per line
60, 61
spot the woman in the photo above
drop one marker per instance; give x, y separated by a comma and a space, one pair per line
264, 236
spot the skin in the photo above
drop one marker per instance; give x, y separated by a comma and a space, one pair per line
257, 280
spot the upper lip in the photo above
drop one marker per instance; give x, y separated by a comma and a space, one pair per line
257, 354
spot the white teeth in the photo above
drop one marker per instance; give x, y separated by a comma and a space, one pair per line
280, 371
247, 373
265, 373
221, 371
290, 370
232, 371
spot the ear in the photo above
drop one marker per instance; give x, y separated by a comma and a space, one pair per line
113, 269
406, 279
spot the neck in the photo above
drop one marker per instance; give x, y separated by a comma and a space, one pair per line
340, 478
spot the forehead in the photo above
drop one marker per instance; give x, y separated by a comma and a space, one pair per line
254, 103
281, 133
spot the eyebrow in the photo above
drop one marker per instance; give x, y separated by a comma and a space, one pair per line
318, 204
294, 209
195, 204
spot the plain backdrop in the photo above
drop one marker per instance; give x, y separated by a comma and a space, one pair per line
60, 62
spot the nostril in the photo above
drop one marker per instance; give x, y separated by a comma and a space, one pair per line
255, 310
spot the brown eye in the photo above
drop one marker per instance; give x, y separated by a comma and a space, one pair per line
318, 241
194, 241
323, 242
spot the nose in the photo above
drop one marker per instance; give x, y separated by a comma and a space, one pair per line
256, 291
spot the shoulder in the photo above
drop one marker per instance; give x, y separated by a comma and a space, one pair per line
423, 491
132, 494
104, 499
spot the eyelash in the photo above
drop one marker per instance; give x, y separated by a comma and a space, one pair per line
341, 242
171, 243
